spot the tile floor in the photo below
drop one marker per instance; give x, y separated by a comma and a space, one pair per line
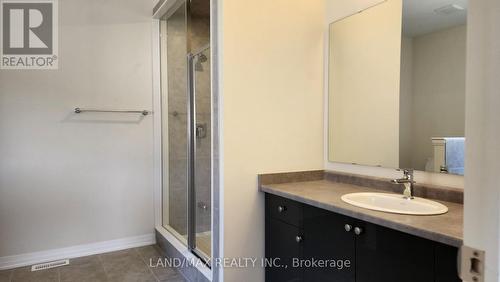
121, 266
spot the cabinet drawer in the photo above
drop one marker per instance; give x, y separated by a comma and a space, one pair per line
284, 209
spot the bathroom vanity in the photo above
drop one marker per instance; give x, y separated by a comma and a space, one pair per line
317, 237
396, 88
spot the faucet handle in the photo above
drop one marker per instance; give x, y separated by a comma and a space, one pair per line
406, 170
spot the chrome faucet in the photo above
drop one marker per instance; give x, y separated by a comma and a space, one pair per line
407, 178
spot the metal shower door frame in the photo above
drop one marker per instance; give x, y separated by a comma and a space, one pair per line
191, 79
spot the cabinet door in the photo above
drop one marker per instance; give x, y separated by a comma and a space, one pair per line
385, 255
446, 263
282, 245
327, 241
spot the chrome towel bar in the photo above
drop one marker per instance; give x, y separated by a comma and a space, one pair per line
83, 110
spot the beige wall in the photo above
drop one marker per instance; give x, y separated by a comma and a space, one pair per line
272, 110
482, 207
65, 179
406, 103
364, 86
337, 9
438, 90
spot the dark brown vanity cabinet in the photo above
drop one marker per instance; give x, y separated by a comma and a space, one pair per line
305, 243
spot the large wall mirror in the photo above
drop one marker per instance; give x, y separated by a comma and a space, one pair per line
397, 86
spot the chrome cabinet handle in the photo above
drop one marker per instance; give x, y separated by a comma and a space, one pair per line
348, 227
358, 230
281, 209
298, 239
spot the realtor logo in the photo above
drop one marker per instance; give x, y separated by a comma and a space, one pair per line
28, 34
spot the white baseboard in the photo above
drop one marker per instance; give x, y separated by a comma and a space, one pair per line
14, 261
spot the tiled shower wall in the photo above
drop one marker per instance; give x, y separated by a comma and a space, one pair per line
200, 38
178, 126
177, 123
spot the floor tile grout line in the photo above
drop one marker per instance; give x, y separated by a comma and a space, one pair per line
144, 261
136, 252
103, 268
164, 254
183, 275
142, 257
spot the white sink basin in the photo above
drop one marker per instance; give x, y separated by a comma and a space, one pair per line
394, 203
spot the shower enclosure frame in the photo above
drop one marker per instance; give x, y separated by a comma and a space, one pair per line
192, 205
163, 8
190, 192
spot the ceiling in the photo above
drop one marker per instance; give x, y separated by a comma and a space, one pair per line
419, 16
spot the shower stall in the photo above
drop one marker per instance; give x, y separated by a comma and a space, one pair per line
187, 124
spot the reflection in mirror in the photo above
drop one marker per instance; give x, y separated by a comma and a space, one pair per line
432, 100
364, 86
397, 86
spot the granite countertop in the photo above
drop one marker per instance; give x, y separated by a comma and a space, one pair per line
446, 228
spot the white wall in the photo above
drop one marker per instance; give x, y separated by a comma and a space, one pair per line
272, 59
482, 209
337, 9
67, 179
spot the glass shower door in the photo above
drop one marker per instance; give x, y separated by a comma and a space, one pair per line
187, 124
202, 151
175, 122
